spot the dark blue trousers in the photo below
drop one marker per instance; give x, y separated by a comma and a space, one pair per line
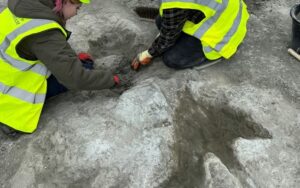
54, 87
186, 53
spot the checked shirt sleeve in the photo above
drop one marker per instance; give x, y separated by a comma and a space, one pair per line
172, 23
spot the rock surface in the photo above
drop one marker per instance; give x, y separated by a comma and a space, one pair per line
236, 124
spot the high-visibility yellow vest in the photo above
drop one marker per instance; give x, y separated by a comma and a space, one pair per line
222, 30
23, 83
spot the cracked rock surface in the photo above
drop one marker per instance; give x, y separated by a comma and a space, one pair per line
236, 124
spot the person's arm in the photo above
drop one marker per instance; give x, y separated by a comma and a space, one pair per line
51, 48
172, 23
171, 27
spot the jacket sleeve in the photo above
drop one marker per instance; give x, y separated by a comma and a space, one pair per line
51, 48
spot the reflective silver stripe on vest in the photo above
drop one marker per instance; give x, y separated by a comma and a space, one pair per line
232, 30
229, 34
206, 25
207, 49
209, 3
22, 94
20, 65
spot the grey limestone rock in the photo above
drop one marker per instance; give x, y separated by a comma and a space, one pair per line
235, 124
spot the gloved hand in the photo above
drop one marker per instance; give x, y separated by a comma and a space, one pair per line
122, 81
86, 60
117, 80
142, 58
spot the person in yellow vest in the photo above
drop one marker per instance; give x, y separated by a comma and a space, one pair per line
36, 61
196, 32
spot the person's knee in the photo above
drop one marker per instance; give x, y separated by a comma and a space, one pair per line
182, 63
171, 65
172, 62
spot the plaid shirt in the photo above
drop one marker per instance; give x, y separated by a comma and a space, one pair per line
173, 21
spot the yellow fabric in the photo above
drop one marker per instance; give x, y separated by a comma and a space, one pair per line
238, 37
212, 55
14, 112
218, 30
85, 1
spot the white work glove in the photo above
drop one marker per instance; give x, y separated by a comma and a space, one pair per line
143, 58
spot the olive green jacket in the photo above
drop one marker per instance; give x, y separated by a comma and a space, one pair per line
52, 48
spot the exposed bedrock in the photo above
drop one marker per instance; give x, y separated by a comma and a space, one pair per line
236, 124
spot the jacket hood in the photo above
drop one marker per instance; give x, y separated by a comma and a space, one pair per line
38, 9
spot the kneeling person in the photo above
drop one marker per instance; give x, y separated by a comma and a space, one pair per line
195, 32
37, 62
